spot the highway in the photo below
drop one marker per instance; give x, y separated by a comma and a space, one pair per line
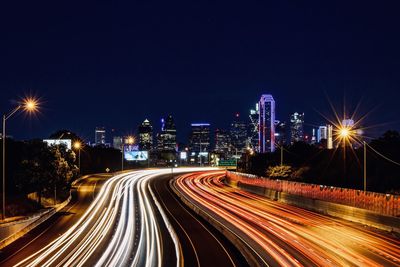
128, 224
282, 235
83, 193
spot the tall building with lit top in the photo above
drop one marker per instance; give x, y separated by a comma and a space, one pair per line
199, 140
145, 131
166, 139
238, 134
296, 127
266, 131
100, 136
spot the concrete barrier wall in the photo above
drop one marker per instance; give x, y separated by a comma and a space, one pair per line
383, 204
11, 231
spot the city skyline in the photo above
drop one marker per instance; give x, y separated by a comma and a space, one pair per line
203, 64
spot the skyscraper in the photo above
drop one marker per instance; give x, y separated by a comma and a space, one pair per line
100, 136
222, 142
330, 137
166, 140
199, 140
322, 133
145, 135
253, 128
296, 127
238, 134
266, 132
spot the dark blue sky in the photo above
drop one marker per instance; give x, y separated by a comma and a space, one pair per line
103, 63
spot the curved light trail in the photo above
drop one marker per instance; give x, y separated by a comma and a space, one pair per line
288, 235
120, 228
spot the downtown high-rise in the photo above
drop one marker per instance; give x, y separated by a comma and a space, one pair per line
166, 139
296, 127
145, 131
266, 132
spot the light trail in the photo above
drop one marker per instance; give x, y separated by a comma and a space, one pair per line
290, 236
120, 228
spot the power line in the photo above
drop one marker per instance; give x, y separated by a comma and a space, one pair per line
388, 159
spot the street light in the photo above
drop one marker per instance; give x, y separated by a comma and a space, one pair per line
77, 146
346, 134
29, 105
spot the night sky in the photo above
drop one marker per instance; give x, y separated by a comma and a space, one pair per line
113, 65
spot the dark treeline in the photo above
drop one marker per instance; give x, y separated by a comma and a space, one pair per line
342, 167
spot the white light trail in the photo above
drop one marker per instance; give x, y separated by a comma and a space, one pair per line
120, 228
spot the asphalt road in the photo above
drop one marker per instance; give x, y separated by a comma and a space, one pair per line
83, 194
201, 244
284, 235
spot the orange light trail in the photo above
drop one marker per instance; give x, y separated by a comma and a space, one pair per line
287, 235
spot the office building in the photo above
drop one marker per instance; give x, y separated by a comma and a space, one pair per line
238, 134
199, 140
166, 139
222, 143
322, 133
100, 136
145, 131
296, 127
266, 132
330, 137
253, 128
117, 142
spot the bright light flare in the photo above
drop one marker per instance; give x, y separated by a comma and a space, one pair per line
77, 145
30, 104
130, 140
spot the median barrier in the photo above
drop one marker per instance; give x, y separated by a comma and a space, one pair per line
248, 253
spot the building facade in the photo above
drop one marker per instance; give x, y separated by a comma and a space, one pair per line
100, 136
199, 140
296, 127
254, 128
166, 139
266, 132
238, 134
145, 131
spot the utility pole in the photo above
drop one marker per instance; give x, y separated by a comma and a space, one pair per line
365, 166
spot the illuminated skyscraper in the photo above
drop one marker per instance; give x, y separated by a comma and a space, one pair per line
222, 142
296, 127
199, 140
330, 137
145, 135
253, 128
238, 134
100, 136
166, 140
266, 132
322, 133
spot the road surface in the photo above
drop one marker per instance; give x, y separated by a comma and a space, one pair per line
283, 235
83, 194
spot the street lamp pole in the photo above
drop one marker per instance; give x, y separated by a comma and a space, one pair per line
5, 118
365, 166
